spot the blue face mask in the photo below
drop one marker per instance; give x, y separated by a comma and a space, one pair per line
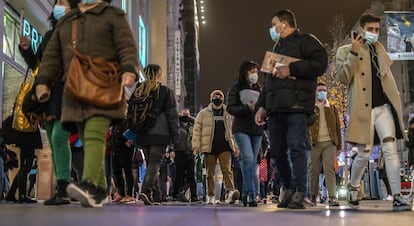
59, 11
321, 95
88, 1
371, 38
274, 34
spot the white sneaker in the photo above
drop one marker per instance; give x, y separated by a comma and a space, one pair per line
282, 194
232, 196
210, 200
388, 198
409, 198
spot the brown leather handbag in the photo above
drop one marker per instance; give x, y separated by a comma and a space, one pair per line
95, 81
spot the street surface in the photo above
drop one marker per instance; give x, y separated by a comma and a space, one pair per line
370, 213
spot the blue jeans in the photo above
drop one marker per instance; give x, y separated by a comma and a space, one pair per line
288, 131
249, 147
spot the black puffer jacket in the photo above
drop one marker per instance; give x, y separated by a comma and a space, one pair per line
243, 116
295, 95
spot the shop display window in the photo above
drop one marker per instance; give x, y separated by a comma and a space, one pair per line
12, 80
11, 38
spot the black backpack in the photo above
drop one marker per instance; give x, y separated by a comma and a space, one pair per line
142, 112
117, 140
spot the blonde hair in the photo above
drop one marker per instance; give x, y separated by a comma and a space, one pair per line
151, 73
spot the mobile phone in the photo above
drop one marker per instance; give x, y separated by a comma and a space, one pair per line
355, 34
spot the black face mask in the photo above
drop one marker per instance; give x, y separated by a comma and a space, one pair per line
184, 119
217, 102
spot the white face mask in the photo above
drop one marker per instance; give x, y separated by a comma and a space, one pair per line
253, 77
370, 38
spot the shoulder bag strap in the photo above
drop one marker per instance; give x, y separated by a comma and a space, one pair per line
75, 39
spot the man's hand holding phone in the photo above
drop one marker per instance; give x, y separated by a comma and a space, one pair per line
357, 42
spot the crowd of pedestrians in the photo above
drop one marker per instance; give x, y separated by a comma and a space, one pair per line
249, 145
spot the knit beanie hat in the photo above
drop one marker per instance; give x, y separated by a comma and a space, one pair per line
216, 92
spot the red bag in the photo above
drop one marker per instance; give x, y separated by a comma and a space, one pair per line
263, 170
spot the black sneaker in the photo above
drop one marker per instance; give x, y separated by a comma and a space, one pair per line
296, 202
57, 200
195, 200
352, 196
86, 193
10, 199
145, 198
333, 201
400, 204
26, 200
286, 199
182, 198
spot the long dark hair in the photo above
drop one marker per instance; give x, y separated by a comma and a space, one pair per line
244, 68
73, 4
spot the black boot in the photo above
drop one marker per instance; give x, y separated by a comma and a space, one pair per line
61, 197
10, 198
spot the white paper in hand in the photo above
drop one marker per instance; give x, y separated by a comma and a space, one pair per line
249, 96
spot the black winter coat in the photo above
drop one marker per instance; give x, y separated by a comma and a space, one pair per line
295, 95
185, 135
243, 116
165, 129
53, 107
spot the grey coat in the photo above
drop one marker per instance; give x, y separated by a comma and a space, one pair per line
102, 31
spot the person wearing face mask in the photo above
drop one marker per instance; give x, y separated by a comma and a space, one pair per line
287, 101
103, 31
247, 135
375, 109
212, 136
58, 138
184, 160
326, 145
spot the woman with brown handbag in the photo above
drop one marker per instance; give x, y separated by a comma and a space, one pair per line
98, 31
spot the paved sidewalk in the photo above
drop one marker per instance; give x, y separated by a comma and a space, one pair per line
176, 214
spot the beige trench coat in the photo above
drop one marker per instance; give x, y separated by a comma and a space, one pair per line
355, 72
102, 31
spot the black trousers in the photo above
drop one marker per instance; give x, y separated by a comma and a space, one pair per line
184, 178
20, 181
122, 164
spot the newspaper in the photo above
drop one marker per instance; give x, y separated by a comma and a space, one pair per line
249, 96
274, 60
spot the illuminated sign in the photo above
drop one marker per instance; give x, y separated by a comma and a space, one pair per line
142, 43
177, 50
123, 5
31, 32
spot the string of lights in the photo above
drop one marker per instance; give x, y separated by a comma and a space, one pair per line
201, 9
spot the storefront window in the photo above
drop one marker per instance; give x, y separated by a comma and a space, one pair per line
142, 45
11, 39
12, 80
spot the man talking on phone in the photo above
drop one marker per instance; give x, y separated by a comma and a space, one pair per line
374, 106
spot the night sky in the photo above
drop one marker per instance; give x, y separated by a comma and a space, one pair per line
238, 30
